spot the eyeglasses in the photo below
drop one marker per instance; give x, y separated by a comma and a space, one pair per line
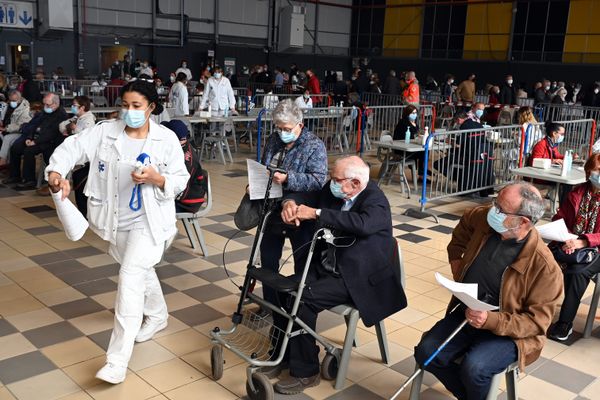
339, 180
499, 210
280, 129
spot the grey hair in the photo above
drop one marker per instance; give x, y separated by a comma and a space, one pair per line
532, 203
287, 112
13, 92
356, 168
54, 97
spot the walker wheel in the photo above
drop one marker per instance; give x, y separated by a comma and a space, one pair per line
329, 367
216, 362
262, 386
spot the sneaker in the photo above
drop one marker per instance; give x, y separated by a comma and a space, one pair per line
561, 331
149, 329
293, 385
275, 371
112, 373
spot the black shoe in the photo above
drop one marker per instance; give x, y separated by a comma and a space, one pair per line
12, 181
29, 185
561, 331
293, 385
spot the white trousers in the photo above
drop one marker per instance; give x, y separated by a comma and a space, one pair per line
7, 142
139, 292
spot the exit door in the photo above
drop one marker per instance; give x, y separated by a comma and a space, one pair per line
19, 56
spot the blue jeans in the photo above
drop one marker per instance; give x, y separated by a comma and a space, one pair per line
484, 355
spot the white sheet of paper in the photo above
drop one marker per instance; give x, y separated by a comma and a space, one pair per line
72, 220
556, 230
465, 292
258, 177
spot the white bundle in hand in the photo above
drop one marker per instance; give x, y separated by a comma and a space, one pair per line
72, 220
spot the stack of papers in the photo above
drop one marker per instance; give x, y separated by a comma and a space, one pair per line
258, 177
556, 230
465, 292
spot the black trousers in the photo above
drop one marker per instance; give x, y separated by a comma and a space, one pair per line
27, 153
576, 278
322, 291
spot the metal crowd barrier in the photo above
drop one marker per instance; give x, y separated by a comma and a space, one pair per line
385, 118
380, 99
269, 101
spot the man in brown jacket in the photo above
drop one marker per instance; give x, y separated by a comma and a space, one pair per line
466, 89
498, 248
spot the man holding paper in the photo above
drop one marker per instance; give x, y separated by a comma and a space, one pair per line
497, 248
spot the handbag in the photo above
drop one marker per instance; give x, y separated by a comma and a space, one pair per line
584, 255
247, 214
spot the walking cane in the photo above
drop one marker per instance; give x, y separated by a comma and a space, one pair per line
430, 359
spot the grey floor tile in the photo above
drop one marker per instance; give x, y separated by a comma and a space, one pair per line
84, 252
407, 367
563, 376
355, 392
7, 192
328, 320
77, 308
166, 289
214, 274
441, 229
101, 338
230, 257
49, 258
197, 315
452, 217
24, 366
64, 267
90, 274
414, 238
234, 234
169, 271
42, 230
217, 228
206, 293
175, 255
6, 328
38, 209
222, 217
52, 334
407, 227
98, 286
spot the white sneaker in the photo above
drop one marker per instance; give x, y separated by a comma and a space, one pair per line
149, 329
112, 373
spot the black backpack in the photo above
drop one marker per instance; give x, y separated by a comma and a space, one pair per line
193, 196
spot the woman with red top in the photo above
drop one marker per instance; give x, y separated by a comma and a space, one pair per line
581, 212
548, 147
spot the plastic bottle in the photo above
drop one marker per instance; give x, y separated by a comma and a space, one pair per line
567, 161
425, 135
407, 135
341, 104
226, 112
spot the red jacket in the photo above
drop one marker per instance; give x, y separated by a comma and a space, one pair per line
412, 93
314, 87
568, 211
543, 150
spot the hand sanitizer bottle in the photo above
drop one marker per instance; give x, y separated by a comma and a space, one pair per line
425, 135
407, 135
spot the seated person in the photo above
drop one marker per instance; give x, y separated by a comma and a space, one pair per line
474, 116
498, 248
304, 101
43, 138
364, 274
82, 119
409, 122
16, 115
548, 146
192, 198
580, 212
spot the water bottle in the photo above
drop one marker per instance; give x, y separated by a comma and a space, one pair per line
566, 166
226, 112
425, 135
407, 135
341, 104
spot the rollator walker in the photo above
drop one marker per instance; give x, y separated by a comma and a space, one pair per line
255, 338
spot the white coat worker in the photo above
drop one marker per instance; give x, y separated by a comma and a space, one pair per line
184, 68
134, 211
219, 94
178, 96
304, 101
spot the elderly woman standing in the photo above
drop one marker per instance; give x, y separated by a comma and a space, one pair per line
304, 158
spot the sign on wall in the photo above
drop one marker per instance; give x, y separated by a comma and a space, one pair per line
16, 14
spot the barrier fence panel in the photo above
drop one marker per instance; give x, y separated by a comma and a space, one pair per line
380, 99
385, 118
269, 101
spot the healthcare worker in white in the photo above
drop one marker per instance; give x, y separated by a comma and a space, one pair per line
178, 96
130, 206
219, 94
184, 68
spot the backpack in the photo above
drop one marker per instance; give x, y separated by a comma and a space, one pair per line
193, 196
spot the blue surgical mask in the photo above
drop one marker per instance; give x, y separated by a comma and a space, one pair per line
560, 139
479, 113
48, 110
14, 104
287, 136
412, 117
218, 75
496, 220
336, 189
74, 109
595, 180
134, 118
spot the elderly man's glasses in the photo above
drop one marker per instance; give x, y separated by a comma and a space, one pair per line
499, 210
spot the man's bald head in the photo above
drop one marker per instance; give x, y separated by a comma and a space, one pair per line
351, 167
522, 198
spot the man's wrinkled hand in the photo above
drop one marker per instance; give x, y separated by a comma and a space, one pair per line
288, 213
476, 318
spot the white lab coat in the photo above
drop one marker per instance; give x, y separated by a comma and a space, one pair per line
178, 97
186, 71
101, 147
303, 104
219, 93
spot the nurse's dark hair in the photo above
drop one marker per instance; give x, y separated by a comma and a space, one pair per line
552, 127
146, 89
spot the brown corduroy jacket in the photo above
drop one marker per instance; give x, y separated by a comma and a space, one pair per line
530, 289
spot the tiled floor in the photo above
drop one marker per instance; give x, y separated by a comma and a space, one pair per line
56, 300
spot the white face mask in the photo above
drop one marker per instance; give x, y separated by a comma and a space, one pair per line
509, 81
547, 88
596, 91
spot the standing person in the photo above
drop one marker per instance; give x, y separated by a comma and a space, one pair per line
278, 81
219, 94
527, 119
314, 86
592, 96
411, 94
508, 92
392, 84
139, 230
447, 88
466, 89
178, 96
10, 128
542, 94
28, 87
184, 68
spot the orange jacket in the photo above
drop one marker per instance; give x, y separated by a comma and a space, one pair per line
412, 93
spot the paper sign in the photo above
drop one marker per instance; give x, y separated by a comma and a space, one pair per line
40, 61
556, 230
72, 220
258, 177
465, 292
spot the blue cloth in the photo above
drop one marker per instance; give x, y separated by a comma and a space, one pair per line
305, 162
484, 355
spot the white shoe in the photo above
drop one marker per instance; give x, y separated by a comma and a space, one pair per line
112, 373
149, 329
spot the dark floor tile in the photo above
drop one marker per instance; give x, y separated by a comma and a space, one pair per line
233, 234
84, 252
99, 286
65, 267
166, 289
6, 328
563, 376
451, 217
355, 392
169, 271
50, 258
42, 230
7, 192
407, 227
431, 394
46, 214
101, 338
214, 274
414, 238
52, 334
24, 366
407, 367
222, 218
197, 315
90, 274
174, 255
217, 228
38, 209
206, 293
77, 308
247, 240
230, 257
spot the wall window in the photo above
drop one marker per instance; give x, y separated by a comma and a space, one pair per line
443, 30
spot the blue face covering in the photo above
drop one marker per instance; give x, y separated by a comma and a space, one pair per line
74, 109
595, 180
560, 139
287, 136
134, 118
14, 104
412, 117
496, 220
48, 110
336, 189
478, 113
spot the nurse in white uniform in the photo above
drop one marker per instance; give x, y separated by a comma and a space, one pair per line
136, 170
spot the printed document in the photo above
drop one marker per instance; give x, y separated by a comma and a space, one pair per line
258, 177
465, 292
556, 230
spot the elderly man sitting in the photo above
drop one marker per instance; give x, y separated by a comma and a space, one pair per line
362, 271
498, 248
16, 115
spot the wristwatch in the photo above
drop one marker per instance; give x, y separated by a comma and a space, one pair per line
318, 212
